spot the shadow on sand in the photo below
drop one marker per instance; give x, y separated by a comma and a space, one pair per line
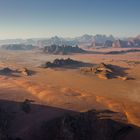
52, 123
113, 52
15, 73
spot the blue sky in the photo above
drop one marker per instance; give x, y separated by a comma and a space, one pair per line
68, 18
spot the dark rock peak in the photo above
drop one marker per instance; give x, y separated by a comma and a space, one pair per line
62, 63
18, 47
85, 126
63, 49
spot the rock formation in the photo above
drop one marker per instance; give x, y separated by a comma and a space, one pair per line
18, 47
104, 71
129, 43
14, 72
25, 71
108, 44
62, 63
6, 71
55, 49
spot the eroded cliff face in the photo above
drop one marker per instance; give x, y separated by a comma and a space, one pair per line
64, 49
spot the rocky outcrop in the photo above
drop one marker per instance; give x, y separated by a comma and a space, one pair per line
25, 71
108, 44
18, 47
130, 43
63, 63
15, 72
6, 71
92, 125
55, 49
105, 71
116, 44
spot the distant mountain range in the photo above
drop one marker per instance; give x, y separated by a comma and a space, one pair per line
82, 40
18, 47
86, 41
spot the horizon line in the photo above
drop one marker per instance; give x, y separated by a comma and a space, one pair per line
70, 37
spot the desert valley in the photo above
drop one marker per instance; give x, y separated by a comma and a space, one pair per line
69, 70
39, 86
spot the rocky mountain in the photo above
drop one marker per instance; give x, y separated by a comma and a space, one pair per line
18, 47
59, 40
90, 41
56, 49
106, 71
133, 43
85, 38
53, 40
31, 41
65, 63
65, 41
103, 38
108, 44
102, 41
138, 36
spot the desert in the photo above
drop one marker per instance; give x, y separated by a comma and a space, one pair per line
67, 88
69, 70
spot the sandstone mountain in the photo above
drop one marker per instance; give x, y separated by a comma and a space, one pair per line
56, 49
18, 47
64, 63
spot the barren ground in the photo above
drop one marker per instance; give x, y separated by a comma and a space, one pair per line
69, 89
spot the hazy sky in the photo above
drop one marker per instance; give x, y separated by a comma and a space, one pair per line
68, 18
